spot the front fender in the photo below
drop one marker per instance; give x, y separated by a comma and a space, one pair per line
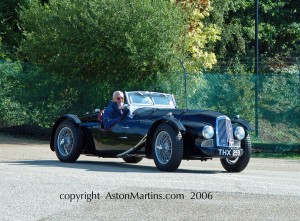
243, 123
168, 119
174, 122
71, 117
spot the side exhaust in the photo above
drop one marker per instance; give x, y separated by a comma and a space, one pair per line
136, 147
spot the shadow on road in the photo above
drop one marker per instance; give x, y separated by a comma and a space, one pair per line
97, 166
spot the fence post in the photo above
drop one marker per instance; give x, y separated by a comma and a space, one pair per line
185, 84
297, 59
256, 68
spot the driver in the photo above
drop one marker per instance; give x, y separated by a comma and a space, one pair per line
114, 112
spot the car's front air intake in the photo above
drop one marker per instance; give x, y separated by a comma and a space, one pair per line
224, 133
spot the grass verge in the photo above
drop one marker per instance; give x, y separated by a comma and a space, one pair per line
287, 155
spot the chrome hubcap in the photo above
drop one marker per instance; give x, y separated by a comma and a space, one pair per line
65, 141
163, 147
231, 160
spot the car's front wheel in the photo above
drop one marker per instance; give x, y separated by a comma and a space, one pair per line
68, 141
240, 163
167, 147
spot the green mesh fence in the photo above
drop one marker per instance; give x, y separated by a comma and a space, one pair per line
28, 96
234, 94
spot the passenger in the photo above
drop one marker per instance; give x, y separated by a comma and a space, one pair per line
114, 112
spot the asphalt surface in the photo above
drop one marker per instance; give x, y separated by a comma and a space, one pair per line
36, 186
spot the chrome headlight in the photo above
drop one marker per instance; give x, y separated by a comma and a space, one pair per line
208, 132
239, 133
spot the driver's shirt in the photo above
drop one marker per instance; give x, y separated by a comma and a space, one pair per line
112, 115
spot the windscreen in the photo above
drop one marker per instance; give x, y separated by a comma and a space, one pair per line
151, 98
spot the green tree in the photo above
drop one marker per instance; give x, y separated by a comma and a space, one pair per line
106, 40
29, 96
279, 31
199, 37
80, 51
10, 31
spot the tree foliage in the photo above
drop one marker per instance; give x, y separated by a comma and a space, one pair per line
279, 31
10, 31
29, 96
107, 40
74, 53
199, 36
84, 50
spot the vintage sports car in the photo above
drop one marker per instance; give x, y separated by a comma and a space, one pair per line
155, 128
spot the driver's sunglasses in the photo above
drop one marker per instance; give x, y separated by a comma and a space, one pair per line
120, 98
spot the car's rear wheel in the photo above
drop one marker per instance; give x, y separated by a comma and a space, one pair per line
240, 163
167, 147
132, 159
68, 141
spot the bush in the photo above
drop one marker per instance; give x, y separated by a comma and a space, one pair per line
30, 96
81, 51
108, 41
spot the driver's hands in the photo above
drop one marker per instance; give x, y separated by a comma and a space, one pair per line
125, 113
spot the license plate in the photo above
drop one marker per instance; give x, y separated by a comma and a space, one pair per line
228, 152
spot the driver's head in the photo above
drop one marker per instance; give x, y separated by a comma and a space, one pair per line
118, 97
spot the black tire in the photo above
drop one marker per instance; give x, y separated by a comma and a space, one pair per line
68, 141
167, 147
240, 163
132, 159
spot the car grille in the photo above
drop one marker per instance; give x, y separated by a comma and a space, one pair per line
224, 132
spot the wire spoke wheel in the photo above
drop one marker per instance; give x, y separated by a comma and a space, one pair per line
68, 141
65, 141
163, 147
167, 147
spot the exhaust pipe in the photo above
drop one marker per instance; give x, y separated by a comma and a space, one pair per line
136, 147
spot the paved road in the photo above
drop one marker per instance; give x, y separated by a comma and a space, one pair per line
36, 186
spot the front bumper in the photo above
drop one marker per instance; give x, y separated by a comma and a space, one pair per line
223, 152
209, 148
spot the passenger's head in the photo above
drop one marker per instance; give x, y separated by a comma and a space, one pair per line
118, 97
